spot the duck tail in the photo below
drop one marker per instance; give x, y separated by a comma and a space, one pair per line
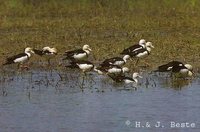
72, 65
155, 70
7, 63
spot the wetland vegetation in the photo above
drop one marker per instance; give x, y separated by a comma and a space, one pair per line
108, 26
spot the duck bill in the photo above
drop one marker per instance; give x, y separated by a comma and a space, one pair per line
140, 76
89, 49
32, 51
152, 46
193, 74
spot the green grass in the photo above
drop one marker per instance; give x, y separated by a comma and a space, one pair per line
108, 26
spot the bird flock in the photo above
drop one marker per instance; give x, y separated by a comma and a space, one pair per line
111, 67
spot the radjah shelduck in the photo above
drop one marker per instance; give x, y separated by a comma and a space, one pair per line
178, 68
83, 65
78, 54
20, 58
126, 80
119, 61
135, 47
111, 69
47, 52
143, 52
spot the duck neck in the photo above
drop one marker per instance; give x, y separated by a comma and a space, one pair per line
125, 59
87, 51
29, 54
123, 70
148, 49
135, 77
143, 45
136, 81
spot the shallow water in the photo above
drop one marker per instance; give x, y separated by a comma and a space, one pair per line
50, 101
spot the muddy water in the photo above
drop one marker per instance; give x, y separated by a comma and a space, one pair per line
49, 101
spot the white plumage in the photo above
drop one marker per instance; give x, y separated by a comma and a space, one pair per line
22, 59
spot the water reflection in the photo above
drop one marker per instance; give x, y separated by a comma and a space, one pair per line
167, 81
181, 83
53, 100
74, 81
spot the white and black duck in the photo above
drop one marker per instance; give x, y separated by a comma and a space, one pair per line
176, 67
135, 47
78, 54
83, 65
143, 52
111, 69
126, 80
20, 58
48, 52
116, 61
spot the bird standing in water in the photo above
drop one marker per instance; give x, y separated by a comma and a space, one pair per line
116, 61
177, 68
126, 80
83, 65
111, 69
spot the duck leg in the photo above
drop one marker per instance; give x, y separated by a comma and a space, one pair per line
82, 84
22, 67
49, 62
83, 80
91, 79
134, 87
147, 64
19, 66
137, 61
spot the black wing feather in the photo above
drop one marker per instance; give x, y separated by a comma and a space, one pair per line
112, 60
175, 66
74, 64
46, 52
71, 53
131, 49
136, 52
116, 78
17, 56
38, 52
81, 62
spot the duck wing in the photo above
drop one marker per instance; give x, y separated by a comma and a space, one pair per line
38, 52
131, 49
